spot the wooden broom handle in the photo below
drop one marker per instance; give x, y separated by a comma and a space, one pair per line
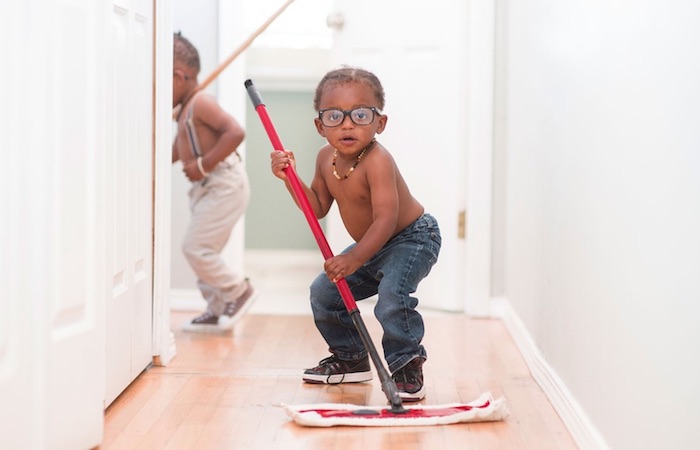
234, 55
242, 47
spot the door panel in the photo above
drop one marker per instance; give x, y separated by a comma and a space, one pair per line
21, 346
129, 195
52, 326
74, 229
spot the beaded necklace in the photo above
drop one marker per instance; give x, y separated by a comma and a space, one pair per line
357, 161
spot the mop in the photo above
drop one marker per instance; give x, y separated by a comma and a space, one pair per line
484, 409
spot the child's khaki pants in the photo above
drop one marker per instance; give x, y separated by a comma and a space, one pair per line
216, 204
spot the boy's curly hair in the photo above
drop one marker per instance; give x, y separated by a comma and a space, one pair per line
185, 52
347, 74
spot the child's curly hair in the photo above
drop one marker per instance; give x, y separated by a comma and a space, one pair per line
348, 74
185, 52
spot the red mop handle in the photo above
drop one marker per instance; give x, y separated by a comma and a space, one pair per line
299, 193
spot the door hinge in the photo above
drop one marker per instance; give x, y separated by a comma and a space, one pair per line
462, 224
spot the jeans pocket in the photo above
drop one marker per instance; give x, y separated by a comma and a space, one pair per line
436, 240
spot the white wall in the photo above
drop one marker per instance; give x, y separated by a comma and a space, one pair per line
601, 205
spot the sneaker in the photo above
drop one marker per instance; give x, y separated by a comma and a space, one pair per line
211, 323
206, 323
237, 308
334, 370
409, 381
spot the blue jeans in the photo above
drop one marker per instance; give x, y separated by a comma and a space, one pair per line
393, 273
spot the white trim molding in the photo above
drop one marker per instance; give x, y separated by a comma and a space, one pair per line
163, 344
187, 300
574, 417
479, 179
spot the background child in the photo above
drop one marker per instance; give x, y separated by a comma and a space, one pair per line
396, 242
206, 143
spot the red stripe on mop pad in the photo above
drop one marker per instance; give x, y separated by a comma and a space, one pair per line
484, 409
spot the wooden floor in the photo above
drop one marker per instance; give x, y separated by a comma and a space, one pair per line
224, 392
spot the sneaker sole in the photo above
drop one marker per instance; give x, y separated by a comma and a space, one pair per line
413, 397
354, 377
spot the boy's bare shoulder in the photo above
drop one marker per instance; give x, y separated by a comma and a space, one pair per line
325, 153
380, 156
205, 101
208, 111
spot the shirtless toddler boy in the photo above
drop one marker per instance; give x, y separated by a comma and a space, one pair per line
396, 242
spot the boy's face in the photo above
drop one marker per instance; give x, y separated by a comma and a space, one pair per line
181, 82
349, 137
178, 83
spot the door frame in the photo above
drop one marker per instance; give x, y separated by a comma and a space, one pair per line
479, 179
164, 349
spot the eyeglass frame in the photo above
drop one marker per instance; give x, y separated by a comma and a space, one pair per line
348, 113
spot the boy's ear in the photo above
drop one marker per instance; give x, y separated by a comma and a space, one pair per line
319, 127
381, 124
179, 73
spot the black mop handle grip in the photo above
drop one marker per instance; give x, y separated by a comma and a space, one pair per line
254, 94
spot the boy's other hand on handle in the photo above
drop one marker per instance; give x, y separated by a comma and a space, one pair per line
340, 266
280, 160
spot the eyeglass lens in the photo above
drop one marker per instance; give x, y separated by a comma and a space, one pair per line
359, 116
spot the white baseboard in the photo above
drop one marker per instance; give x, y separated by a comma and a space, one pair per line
571, 413
169, 352
186, 300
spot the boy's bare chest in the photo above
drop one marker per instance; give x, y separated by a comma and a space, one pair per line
352, 191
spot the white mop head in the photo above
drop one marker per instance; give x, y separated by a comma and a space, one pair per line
484, 409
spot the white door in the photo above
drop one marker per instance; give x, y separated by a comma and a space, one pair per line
18, 389
53, 232
419, 51
129, 196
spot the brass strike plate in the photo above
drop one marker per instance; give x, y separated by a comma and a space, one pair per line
462, 225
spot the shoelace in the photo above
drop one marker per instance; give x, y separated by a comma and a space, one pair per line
205, 316
230, 307
408, 375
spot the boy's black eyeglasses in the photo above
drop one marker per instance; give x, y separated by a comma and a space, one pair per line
360, 116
